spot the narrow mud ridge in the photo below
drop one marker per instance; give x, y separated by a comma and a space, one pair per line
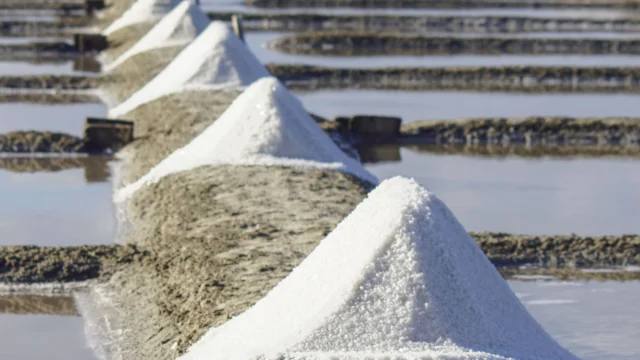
37, 305
431, 23
516, 150
43, 5
40, 142
445, 4
569, 251
501, 78
534, 130
46, 98
57, 82
360, 44
533, 274
32, 264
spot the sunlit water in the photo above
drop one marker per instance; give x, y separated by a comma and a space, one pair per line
69, 207
440, 105
594, 320
38, 335
529, 196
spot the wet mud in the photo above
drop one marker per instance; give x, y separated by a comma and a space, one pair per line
38, 265
40, 142
362, 44
565, 131
444, 4
49, 82
501, 78
420, 24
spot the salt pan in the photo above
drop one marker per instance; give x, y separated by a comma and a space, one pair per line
265, 125
141, 11
217, 59
399, 278
179, 27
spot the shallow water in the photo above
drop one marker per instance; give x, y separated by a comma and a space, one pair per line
69, 207
19, 68
412, 106
58, 336
529, 196
594, 320
67, 118
240, 7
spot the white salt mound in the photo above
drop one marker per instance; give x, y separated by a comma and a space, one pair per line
141, 11
217, 59
265, 125
399, 278
179, 27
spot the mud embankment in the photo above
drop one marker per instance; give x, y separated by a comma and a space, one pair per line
531, 131
362, 44
37, 265
446, 4
49, 82
511, 150
421, 24
40, 142
62, 6
48, 98
501, 78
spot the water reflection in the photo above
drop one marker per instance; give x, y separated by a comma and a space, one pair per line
594, 320
37, 304
61, 208
543, 196
96, 168
68, 118
441, 105
33, 327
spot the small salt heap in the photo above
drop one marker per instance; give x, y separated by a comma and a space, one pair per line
179, 27
141, 11
265, 125
399, 278
217, 59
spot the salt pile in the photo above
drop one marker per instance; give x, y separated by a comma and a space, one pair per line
265, 125
179, 27
141, 11
399, 278
217, 59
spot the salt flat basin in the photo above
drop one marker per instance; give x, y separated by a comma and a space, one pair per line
257, 42
20, 68
594, 320
239, 6
66, 118
28, 334
544, 196
64, 208
440, 105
